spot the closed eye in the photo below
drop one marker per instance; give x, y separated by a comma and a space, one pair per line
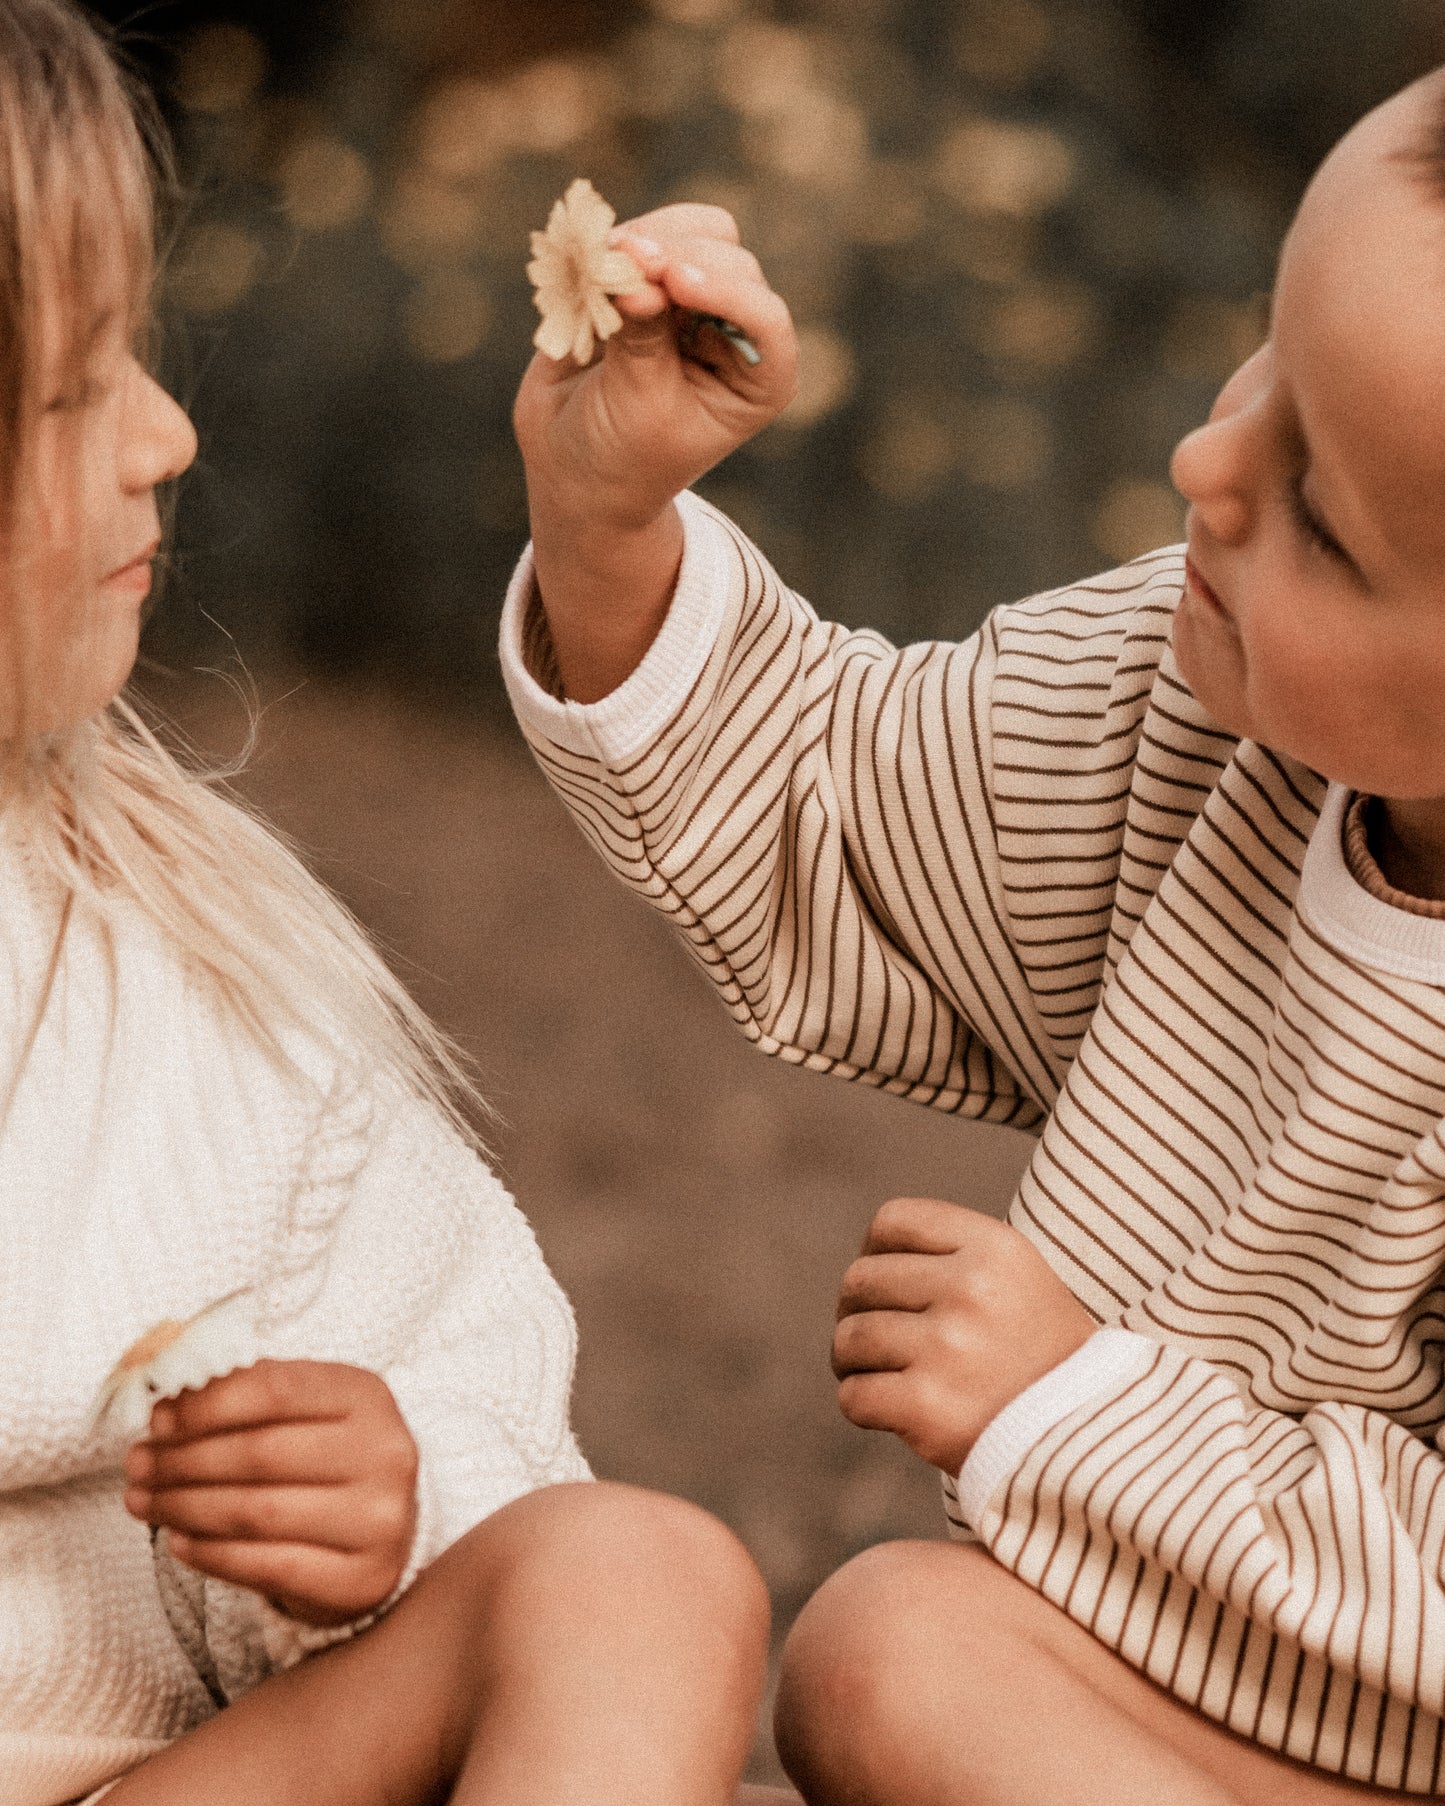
1314, 529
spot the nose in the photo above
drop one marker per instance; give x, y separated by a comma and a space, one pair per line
160, 442
1216, 468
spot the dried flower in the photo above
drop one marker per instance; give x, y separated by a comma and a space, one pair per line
172, 1356
573, 271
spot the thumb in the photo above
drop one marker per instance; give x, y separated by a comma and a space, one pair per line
647, 326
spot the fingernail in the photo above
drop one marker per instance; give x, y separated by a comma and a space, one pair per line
137, 1502
649, 247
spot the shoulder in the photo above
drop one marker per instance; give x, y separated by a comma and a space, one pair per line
1097, 616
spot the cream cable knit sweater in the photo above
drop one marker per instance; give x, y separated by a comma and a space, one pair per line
153, 1162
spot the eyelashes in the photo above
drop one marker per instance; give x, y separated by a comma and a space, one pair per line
1311, 527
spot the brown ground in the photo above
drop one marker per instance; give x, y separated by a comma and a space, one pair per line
697, 1201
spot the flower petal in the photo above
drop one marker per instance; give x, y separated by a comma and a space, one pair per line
556, 333
603, 315
582, 340
587, 213
216, 1342
127, 1410
213, 1342
573, 270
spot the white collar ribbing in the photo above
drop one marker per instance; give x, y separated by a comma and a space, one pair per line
1356, 924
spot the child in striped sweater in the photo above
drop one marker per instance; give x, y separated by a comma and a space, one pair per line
1154, 867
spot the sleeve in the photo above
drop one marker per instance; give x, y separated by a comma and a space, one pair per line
1284, 1575
817, 813
402, 1253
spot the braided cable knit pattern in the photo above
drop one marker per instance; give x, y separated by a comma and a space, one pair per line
153, 1161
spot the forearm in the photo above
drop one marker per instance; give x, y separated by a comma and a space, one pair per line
605, 591
711, 782
1195, 1532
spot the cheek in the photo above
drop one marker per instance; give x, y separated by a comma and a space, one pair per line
1348, 700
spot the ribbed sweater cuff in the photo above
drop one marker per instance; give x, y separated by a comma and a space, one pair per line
288, 1641
1109, 1361
622, 723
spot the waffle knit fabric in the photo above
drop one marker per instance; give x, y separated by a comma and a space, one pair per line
1026, 878
152, 1162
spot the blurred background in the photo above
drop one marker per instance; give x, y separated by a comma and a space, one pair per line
1024, 241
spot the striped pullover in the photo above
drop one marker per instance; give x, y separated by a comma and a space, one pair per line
1025, 878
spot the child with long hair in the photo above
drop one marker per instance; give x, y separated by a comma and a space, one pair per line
1154, 867
370, 1537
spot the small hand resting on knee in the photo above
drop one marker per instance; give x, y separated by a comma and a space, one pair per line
945, 1318
296, 1479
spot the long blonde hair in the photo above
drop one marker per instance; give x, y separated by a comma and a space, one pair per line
104, 807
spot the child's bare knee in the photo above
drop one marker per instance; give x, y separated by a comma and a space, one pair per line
595, 1552
857, 1665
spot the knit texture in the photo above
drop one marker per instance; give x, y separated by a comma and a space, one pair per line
152, 1162
1027, 879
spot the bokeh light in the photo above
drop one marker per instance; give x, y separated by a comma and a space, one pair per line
826, 373
220, 69
324, 184
447, 316
214, 269
999, 166
1135, 516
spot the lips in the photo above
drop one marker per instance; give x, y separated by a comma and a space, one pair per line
1202, 589
137, 573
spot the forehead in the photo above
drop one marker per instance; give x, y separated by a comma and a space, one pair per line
1359, 328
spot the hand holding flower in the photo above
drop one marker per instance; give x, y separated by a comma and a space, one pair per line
608, 444
945, 1318
296, 1479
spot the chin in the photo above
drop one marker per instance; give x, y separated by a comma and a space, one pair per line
89, 694
1210, 681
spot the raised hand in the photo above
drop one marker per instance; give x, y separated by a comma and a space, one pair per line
944, 1319
608, 446
296, 1479
664, 401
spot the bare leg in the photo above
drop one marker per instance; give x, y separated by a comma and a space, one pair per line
924, 1674
587, 1642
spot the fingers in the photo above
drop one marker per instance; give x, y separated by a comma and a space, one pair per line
289, 1450
683, 219
269, 1392
308, 1454
276, 1514
885, 1341
875, 1401
325, 1517
713, 276
889, 1282
929, 1226
295, 1576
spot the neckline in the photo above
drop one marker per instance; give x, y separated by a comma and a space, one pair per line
1363, 927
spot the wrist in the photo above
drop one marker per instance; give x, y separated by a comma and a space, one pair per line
605, 588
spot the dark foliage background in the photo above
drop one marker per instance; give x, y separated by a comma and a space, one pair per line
1024, 239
